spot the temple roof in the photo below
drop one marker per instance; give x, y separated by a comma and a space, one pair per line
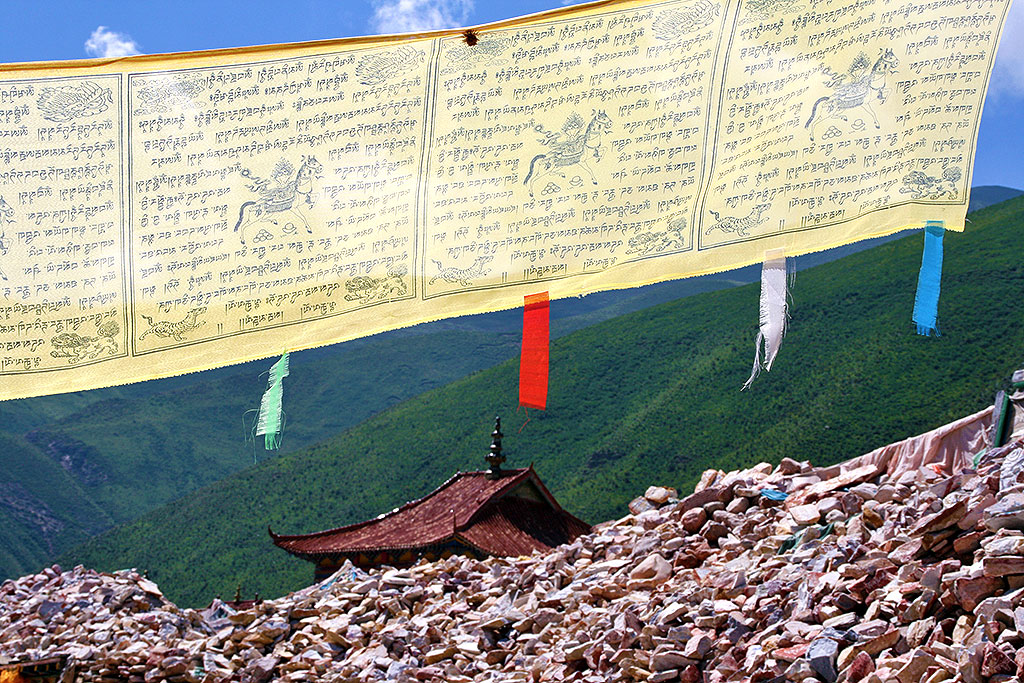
491, 515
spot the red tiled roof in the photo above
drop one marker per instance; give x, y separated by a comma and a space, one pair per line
469, 507
514, 526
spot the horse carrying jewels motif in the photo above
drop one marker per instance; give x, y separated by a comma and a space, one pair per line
277, 200
862, 83
577, 148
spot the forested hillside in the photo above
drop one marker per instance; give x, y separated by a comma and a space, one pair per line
110, 455
650, 397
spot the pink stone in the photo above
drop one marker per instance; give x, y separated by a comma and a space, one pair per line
697, 646
1003, 565
707, 479
665, 661
970, 592
693, 520
789, 466
641, 504
690, 674
882, 642
791, 653
942, 519
854, 476
805, 514
702, 498
659, 495
907, 551
913, 671
995, 661
860, 667
653, 571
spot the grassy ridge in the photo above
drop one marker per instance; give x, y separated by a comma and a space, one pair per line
650, 397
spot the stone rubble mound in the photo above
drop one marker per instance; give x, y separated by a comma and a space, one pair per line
778, 574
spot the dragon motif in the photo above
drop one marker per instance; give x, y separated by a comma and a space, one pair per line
174, 330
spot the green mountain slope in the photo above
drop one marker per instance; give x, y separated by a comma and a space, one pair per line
42, 511
650, 397
181, 433
81, 467
129, 449
181, 440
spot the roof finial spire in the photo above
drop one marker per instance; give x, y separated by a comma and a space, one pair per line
495, 458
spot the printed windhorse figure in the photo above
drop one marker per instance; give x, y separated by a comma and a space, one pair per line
576, 150
853, 88
278, 195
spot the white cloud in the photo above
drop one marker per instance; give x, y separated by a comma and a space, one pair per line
106, 43
407, 16
1008, 74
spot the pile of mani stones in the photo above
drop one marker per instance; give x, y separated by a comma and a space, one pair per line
854, 576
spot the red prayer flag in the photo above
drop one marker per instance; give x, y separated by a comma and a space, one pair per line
533, 360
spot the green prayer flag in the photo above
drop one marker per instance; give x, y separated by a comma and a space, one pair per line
268, 423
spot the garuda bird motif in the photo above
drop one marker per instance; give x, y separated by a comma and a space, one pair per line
69, 102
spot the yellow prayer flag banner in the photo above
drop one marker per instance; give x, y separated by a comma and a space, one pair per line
173, 213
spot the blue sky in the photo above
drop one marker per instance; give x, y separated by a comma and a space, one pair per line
36, 30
